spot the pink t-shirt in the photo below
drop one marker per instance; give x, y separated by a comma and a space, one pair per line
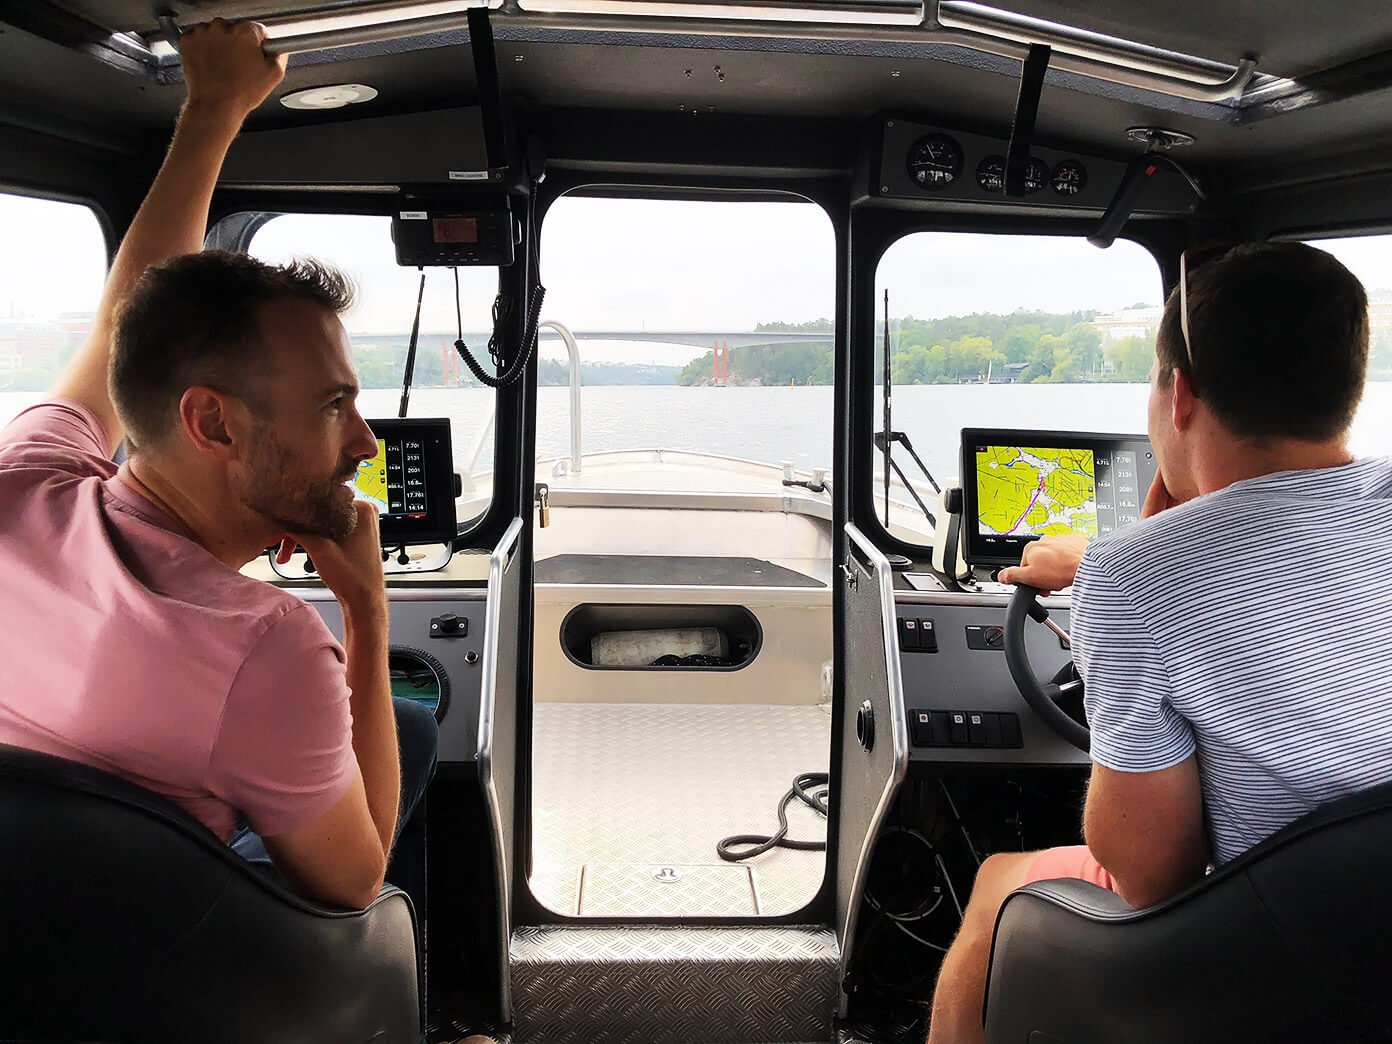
129, 647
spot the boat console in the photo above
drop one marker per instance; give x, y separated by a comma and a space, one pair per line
962, 701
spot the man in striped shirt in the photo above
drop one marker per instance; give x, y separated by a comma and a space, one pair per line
1214, 636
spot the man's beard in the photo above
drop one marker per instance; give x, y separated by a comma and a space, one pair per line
296, 503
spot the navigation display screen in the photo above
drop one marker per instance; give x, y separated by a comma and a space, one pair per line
1021, 485
455, 229
410, 481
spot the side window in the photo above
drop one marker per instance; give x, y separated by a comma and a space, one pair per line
1011, 332
52, 265
1370, 259
379, 326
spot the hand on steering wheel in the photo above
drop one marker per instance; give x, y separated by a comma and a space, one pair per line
1048, 564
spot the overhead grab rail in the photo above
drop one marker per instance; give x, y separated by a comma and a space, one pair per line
1139, 171
954, 23
1181, 75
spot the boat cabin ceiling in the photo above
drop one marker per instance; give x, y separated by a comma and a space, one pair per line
1279, 98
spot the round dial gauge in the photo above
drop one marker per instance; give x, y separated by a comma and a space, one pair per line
990, 174
935, 161
1069, 178
1036, 175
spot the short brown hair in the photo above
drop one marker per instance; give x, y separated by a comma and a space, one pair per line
194, 320
1279, 338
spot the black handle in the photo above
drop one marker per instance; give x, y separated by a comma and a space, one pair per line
1138, 172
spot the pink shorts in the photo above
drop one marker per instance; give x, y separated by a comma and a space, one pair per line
1075, 861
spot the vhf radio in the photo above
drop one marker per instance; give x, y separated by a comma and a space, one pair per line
444, 233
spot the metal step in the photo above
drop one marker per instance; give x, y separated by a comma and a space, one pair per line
641, 984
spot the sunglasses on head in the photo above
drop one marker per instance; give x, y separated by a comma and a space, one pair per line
1191, 260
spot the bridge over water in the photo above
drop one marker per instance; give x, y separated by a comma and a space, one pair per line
706, 339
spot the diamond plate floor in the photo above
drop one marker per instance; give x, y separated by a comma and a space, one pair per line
657, 786
674, 890
630, 984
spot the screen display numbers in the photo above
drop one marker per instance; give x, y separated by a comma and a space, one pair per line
406, 478
1118, 490
455, 229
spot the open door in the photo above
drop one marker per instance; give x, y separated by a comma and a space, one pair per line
497, 731
874, 729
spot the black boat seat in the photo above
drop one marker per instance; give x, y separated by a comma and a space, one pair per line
1290, 942
122, 918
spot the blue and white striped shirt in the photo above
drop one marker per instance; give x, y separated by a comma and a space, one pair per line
1252, 626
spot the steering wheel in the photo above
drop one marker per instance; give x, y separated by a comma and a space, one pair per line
1044, 697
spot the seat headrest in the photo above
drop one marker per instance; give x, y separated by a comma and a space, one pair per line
32, 766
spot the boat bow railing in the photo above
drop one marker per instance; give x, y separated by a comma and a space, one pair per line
572, 350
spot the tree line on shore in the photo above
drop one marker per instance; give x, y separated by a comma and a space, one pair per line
1020, 347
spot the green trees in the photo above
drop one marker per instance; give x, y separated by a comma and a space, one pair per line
1131, 358
1023, 347
810, 362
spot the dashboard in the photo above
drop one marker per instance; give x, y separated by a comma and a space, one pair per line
447, 626
961, 703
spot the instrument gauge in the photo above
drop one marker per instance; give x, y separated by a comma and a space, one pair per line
1070, 177
990, 174
1036, 175
935, 161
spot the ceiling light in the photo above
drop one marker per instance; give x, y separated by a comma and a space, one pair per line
335, 96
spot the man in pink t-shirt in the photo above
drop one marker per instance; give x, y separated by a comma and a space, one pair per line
135, 644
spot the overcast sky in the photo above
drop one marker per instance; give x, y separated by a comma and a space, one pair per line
645, 265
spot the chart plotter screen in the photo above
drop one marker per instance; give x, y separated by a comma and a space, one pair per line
410, 480
1021, 485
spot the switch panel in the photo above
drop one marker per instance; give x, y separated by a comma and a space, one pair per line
958, 728
917, 635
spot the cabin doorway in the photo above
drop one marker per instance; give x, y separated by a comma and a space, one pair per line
683, 554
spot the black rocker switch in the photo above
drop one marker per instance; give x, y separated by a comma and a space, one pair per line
449, 625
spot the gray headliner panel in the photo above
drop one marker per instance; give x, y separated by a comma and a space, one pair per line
838, 80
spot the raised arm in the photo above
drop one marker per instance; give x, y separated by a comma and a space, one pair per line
228, 76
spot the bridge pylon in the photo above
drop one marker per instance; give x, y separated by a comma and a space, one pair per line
722, 363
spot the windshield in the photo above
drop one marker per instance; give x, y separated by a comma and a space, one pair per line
995, 331
701, 326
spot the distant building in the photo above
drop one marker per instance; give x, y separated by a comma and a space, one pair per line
37, 344
1131, 322
1379, 311
76, 325
1013, 372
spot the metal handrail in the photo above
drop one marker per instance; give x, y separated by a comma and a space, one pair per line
1204, 80
972, 26
573, 350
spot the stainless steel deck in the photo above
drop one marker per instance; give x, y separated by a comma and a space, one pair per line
636, 984
623, 791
